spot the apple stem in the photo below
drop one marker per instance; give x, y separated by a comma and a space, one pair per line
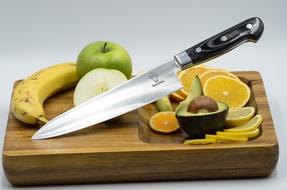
104, 49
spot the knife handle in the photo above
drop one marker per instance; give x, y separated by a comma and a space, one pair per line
249, 30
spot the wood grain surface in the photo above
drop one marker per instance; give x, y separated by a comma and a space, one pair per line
124, 150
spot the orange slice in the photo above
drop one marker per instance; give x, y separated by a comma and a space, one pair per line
164, 122
225, 89
176, 97
183, 93
186, 77
179, 95
215, 72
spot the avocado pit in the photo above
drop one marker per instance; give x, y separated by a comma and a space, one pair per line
202, 104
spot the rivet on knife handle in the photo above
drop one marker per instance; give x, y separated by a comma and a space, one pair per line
249, 30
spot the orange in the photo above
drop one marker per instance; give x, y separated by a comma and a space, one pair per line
225, 89
179, 95
215, 72
186, 77
164, 122
183, 93
176, 97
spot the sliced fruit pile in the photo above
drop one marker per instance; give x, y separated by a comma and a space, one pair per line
186, 78
211, 108
218, 84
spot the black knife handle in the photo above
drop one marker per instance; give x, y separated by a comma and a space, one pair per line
249, 30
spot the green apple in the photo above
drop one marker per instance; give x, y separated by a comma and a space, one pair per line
96, 82
103, 54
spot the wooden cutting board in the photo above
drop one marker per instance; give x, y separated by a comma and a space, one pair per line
125, 149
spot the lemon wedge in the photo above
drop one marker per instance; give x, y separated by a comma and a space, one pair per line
250, 125
238, 116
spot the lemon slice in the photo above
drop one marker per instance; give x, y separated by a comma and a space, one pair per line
247, 134
220, 138
200, 141
238, 116
250, 125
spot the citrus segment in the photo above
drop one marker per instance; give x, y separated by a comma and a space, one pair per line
237, 116
250, 125
225, 89
164, 122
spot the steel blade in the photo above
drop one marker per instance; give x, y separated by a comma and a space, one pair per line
135, 93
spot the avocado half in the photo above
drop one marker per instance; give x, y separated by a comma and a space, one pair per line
196, 125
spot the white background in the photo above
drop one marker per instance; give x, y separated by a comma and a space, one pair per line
35, 34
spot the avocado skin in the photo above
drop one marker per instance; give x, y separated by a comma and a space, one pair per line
197, 126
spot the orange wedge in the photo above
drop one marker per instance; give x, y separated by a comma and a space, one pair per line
164, 122
186, 77
225, 89
215, 72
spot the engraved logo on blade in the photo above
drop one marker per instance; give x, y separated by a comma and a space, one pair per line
154, 76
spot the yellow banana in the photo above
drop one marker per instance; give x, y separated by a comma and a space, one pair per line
30, 94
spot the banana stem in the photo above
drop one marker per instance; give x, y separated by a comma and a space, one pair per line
42, 120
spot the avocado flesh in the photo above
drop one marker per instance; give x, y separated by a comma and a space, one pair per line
164, 104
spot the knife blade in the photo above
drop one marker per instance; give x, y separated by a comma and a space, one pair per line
151, 85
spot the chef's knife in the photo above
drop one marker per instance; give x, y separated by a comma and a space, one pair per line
151, 85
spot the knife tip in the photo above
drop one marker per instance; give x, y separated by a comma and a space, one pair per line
35, 137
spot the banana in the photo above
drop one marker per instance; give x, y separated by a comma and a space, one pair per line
30, 94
